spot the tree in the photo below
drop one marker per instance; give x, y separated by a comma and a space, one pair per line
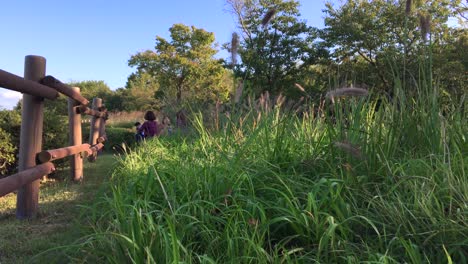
276, 47
140, 92
10, 124
91, 89
184, 67
382, 31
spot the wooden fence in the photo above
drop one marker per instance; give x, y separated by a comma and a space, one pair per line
33, 162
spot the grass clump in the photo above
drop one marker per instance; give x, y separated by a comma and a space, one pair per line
269, 186
57, 224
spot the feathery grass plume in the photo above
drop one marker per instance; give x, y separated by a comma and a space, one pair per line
424, 25
349, 91
239, 90
264, 102
349, 148
300, 87
227, 196
409, 7
280, 100
268, 16
267, 101
234, 48
253, 222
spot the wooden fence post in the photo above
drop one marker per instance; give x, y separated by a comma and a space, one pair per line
75, 138
27, 201
94, 126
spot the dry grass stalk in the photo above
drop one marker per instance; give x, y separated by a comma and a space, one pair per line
268, 17
349, 91
425, 25
253, 222
227, 195
409, 7
280, 100
238, 95
234, 48
125, 117
300, 87
353, 150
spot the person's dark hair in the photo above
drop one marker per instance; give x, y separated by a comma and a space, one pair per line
150, 116
137, 124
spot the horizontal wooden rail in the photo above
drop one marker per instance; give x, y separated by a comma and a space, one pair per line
97, 147
15, 181
85, 149
83, 109
16, 83
64, 89
55, 154
92, 154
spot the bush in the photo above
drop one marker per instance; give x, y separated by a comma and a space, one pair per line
7, 154
10, 125
117, 136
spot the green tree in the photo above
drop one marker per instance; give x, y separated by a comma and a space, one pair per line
10, 124
91, 89
277, 48
382, 32
451, 65
140, 92
7, 153
184, 66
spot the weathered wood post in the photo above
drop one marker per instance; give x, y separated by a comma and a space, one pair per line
27, 201
95, 123
95, 127
74, 125
102, 125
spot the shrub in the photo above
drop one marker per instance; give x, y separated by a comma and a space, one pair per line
117, 136
10, 125
7, 153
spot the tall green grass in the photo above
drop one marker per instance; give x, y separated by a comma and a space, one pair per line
272, 187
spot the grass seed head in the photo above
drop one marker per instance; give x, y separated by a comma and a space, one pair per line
425, 25
234, 48
298, 86
409, 7
268, 17
343, 92
238, 95
353, 150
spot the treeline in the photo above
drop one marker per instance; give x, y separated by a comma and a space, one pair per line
371, 44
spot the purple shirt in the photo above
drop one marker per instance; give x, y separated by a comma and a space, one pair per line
150, 128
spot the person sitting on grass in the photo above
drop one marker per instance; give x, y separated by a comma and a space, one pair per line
150, 127
139, 136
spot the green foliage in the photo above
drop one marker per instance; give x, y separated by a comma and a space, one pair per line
184, 67
140, 93
279, 54
7, 153
365, 36
117, 100
55, 129
451, 65
119, 136
10, 124
92, 89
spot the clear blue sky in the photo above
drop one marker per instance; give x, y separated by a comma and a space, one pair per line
93, 39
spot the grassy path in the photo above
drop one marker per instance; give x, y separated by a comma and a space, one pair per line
59, 208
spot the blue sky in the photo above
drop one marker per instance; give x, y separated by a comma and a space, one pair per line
93, 39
